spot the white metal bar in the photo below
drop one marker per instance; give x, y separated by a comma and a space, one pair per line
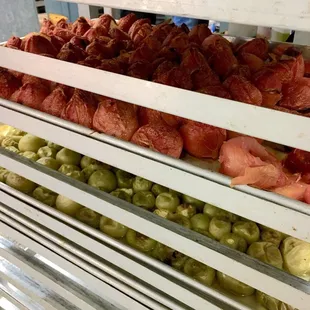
115, 244
274, 13
141, 257
14, 292
171, 237
48, 283
38, 300
106, 289
236, 116
54, 272
5, 296
117, 259
114, 295
294, 222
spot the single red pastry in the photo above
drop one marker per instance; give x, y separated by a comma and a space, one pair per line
160, 138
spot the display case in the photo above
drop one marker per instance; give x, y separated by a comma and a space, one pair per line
62, 263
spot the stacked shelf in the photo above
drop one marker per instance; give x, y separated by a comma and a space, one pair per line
152, 283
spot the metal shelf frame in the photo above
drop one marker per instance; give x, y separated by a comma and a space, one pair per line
30, 222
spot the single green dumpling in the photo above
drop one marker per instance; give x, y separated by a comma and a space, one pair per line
140, 241
69, 157
67, 206
247, 230
140, 184
86, 161
46, 151
234, 241
200, 222
112, 228
49, 162
167, 201
89, 217
266, 252
104, 180
65, 168
45, 195
219, 227
200, 272
20, 183
296, 256
30, 143
144, 199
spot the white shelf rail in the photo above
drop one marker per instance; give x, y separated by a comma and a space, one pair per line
127, 264
228, 114
48, 283
96, 282
238, 265
6, 300
11, 195
293, 220
274, 13
38, 301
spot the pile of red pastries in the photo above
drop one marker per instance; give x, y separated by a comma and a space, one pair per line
193, 60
